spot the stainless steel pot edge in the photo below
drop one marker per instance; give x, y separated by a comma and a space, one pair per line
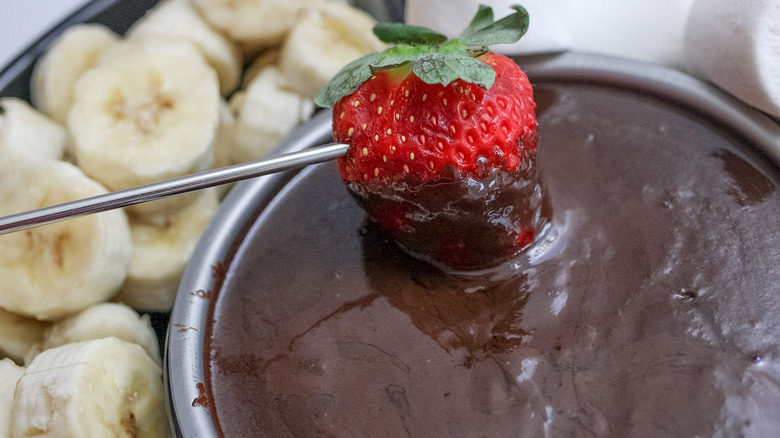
184, 354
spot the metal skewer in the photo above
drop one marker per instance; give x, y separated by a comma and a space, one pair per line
162, 189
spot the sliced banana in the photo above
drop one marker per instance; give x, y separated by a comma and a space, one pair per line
27, 136
266, 112
98, 388
178, 18
323, 40
254, 24
225, 138
55, 74
10, 373
266, 58
99, 321
19, 334
161, 251
61, 268
148, 111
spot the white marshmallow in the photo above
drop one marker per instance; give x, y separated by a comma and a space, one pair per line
644, 30
548, 29
736, 45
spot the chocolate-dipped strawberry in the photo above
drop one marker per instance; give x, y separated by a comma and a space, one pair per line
442, 137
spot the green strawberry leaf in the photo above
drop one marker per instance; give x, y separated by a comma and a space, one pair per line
346, 81
434, 58
397, 56
443, 68
453, 46
399, 33
504, 31
482, 19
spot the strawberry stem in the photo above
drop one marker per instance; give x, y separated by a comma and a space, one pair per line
434, 58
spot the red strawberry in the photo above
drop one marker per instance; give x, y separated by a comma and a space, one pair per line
442, 142
405, 127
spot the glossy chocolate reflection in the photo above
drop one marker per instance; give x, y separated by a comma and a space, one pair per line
469, 318
650, 308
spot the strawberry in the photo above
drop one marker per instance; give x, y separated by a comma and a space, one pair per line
442, 137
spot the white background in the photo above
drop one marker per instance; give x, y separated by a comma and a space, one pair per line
22, 22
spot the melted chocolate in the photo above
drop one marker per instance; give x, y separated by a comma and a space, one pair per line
650, 306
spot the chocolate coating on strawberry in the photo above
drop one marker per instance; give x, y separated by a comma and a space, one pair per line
442, 137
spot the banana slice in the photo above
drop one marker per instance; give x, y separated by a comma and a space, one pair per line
224, 144
27, 136
266, 112
18, 335
148, 111
266, 58
99, 321
252, 22
55, 74
324, 39
57, 269
97, 388
178, 18
225, 135
160, 253
10, 373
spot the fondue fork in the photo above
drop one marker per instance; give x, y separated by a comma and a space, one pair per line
176, 186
